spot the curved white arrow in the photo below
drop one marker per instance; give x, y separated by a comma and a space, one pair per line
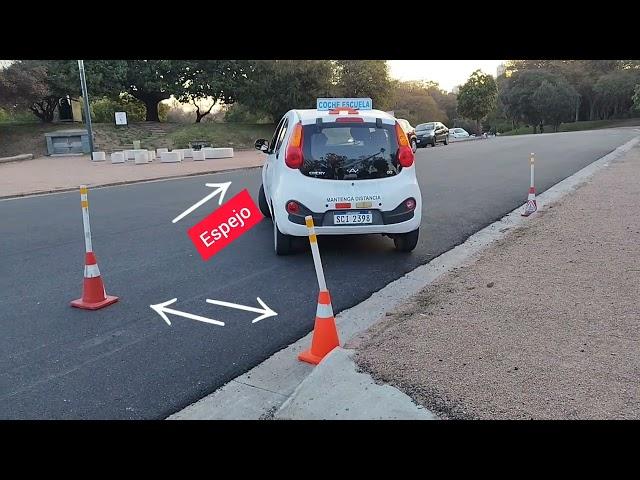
220, 188
265, 311
162, 310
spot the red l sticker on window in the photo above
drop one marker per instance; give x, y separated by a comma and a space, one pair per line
226, 224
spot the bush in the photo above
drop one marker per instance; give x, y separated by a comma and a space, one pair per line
238, 113
103, 109
10, 116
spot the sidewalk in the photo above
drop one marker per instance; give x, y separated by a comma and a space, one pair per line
49, 174
545, 324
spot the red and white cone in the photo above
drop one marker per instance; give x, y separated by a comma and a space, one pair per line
94, 296
531, 205
325, 334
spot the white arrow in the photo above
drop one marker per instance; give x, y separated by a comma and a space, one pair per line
220, 188
161, 309
265, 310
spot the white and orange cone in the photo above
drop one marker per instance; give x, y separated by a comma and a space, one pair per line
94, 295
531, 205
325, 334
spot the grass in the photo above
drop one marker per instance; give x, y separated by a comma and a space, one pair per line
579, 126
236, 135
18, 138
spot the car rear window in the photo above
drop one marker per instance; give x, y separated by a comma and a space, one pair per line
426, 126
350, 151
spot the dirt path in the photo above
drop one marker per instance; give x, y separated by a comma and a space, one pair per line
545, 325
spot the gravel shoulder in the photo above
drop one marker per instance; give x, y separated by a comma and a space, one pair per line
544, 324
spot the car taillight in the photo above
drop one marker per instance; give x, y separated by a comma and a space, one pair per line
405, 154
293, 207
410, 203
293, 158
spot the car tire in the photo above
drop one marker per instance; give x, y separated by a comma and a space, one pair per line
414, 145
446, 140
263, 204
433, 144
282, 243
406, 242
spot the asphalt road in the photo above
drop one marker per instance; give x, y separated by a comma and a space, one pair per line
125, 362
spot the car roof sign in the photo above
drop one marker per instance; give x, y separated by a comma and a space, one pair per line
324, 104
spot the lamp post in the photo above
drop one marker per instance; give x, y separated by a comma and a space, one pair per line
85, 99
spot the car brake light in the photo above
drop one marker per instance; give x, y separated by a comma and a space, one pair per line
293, 207
349, 119
343, 110
405, 154
293, 158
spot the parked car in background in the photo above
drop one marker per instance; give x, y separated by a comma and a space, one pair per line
431, 133
458, 133
411, 133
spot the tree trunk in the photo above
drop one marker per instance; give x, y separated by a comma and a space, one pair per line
535, 129
577, 109
151, 105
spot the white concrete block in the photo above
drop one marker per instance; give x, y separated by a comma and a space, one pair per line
170, 157
160, 151
198, 155
187, 152
117, 157
129, 155
98, 156
218, 152
152, 155
141, 156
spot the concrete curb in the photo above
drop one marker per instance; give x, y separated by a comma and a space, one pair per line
259, 393
335, 390
17, 158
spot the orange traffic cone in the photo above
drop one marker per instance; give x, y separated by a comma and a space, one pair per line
325, 334
94, 296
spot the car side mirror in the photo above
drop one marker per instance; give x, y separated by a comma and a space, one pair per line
262, 145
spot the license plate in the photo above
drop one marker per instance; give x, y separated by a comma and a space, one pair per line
352, 218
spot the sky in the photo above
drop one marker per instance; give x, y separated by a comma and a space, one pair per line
448, 73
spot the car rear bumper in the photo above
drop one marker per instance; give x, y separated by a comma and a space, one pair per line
297, 230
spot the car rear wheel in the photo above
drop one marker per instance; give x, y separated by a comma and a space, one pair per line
414, 145
406, 242
262, 203
446, 140
282, 242
434, 141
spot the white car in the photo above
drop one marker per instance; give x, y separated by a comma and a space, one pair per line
458, 133
351, 169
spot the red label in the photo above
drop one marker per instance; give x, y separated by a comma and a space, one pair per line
226, 224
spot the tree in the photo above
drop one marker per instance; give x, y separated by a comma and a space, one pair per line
364, 78
477, 97
152, 81
636, 98
38, 85
411, 101
212, 81
555, 101
23, 86
614, 93
273, 87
